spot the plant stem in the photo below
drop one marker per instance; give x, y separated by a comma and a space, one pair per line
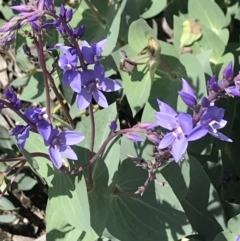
92, 140
173, 75
19, 113
39, 46
61, 101
101, 149
95, 12
13, 178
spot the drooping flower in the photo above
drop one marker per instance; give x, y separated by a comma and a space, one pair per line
23, 133
59, 144
38, 116
92, 53
93, 82
180, 126
187, 94
210, 122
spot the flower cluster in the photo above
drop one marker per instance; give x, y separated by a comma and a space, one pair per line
206, 117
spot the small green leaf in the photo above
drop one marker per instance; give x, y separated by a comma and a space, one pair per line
20, 81
6, 140
6, 205
7, 218
26, 183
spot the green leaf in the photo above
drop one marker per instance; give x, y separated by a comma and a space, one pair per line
68, 196
198, 197
149, 9
138, 35
204, 59
99, 208
20, 81
42, 166
7, 205
4, 219
225, 236
97, 31
133, 217
136, 85
6, 140
209, 41
58, 229
26, 183
107, 164
164, 86
129, 15
234, 224
208, 13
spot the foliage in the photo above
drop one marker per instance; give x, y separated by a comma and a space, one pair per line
124, 183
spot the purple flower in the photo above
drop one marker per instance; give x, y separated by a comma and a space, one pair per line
113, 126
228, 72
59, 144
238, 238
181, 125
23, 133
68, 64
49, 5
79, 31
92, 53
233, 91
205, 102
146, 125
187, 94
10, 95
38, 116
23, 8
213, 85
133, 137
210, 122
93, 82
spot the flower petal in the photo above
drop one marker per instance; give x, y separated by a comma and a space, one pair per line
69, 153
109, 85
71, 137
23, 137
179, 147
166, 120
163, 107
76, 83
98, 48
55, 156
219, 125
187, 88
188, 99
44, 129
198, 132
167, 140
84, 99
133, 137
100, 98
54, 133
99, 71
88, 76
220, 136
186, 123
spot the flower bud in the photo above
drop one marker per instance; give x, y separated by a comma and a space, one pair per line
18, 104
133, 137
69, 14
113, 126
79, 31
228, 72
205, 102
